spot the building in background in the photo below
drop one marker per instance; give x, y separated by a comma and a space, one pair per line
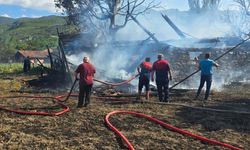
35, 56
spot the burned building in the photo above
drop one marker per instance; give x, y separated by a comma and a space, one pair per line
126, 55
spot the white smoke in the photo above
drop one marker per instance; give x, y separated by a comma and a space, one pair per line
112, 62
206, 25
109, 62
239, 22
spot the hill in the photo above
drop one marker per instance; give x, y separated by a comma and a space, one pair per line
6, 20
29, 33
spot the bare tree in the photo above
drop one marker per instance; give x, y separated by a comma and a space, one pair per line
211, 4
244, 5
194, 5
115, 13
203, 5
240, 20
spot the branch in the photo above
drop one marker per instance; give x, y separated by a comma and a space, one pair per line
245, 5
117, 27
148, 7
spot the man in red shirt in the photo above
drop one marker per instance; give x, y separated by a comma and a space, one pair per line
163, 74
86, 71
144, 70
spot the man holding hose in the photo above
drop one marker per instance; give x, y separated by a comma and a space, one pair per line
206, 67
144, 70
86, 71
162, 70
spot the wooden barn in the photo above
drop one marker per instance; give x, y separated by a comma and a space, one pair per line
34, 55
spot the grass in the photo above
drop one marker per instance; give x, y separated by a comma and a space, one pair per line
17, 69
85, 128
14, 68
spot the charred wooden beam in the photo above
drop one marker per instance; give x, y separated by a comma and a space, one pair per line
50, 57
176, 29
41, 64
144, 29
64, 59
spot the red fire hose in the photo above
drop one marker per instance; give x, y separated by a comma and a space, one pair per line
100, 81
117, 84
59, 101
173, 128
55, 99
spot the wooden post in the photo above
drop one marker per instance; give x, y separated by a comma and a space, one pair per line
64, 59
50, 57
63, 55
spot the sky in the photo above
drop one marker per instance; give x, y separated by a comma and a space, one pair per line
183, 4
38, 8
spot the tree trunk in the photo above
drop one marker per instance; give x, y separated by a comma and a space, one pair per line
112, 27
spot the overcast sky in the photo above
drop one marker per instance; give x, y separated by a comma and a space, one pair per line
37, 8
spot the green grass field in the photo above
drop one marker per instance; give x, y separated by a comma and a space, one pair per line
14, 68
17, 68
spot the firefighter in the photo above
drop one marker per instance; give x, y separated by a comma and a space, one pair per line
162, 70
144, 70
86, 71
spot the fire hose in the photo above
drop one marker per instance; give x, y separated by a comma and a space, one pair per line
170, 127
173, 128
69, 94
100, 81
55, 100
117, 84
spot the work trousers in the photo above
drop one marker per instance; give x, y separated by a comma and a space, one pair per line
143, 81
26, 67
162, 88
84, 94
208, 80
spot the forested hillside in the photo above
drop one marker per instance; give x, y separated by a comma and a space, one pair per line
29, 33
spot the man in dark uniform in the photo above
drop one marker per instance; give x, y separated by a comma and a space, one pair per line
144, 70
26, 64
86, 71
163, 74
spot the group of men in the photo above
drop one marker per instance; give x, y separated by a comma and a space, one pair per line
159, 71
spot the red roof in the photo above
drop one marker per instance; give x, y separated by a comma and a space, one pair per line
34, 53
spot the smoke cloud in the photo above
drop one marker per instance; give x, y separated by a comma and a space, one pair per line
120, 59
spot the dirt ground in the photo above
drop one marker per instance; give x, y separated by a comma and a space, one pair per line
85, 128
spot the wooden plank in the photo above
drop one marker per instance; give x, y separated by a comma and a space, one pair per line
50, 57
